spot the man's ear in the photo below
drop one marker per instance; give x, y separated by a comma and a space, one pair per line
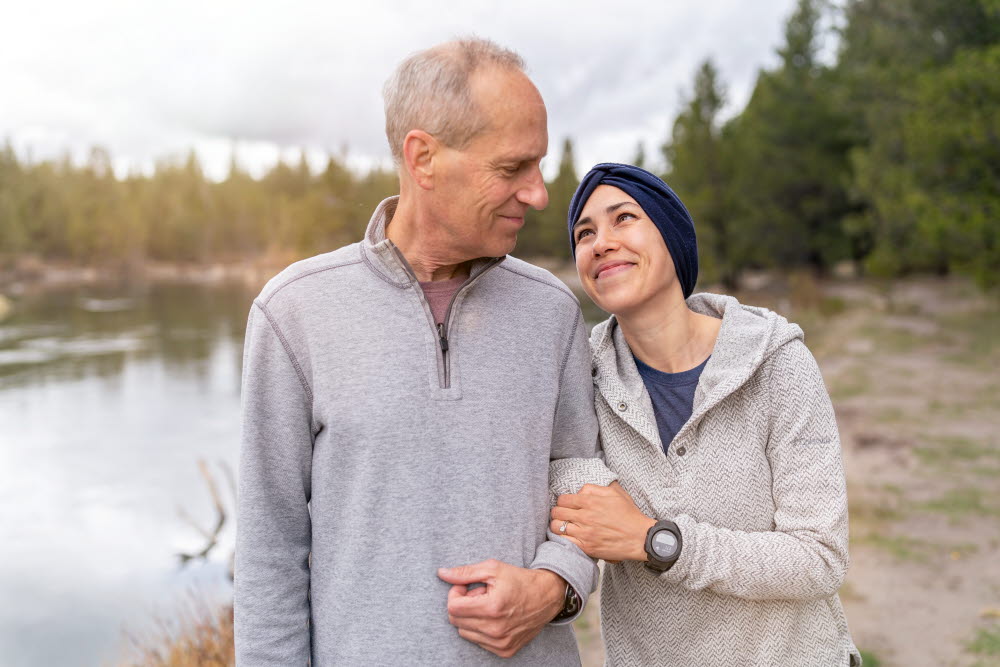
419, 152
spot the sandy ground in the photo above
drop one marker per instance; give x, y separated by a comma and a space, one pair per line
914, 373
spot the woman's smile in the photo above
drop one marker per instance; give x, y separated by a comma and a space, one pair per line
613, 269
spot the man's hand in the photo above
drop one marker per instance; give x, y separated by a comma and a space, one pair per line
510, 611
604, 522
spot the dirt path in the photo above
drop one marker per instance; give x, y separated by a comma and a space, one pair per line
917, 392
914, 373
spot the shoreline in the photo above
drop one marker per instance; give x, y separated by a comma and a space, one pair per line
30, 273
33, 275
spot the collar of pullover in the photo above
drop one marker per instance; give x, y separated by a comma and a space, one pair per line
384, 258
747, 338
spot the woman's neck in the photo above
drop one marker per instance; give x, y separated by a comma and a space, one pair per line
670, 337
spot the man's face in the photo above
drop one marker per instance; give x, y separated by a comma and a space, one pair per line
483, 191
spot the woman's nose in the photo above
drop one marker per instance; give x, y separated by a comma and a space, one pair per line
605, 241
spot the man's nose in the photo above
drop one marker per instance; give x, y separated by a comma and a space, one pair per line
533, 193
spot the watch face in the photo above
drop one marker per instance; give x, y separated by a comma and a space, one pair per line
664, 544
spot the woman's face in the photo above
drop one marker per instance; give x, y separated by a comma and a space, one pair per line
622, 260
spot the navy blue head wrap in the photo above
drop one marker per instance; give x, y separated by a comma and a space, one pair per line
659, 202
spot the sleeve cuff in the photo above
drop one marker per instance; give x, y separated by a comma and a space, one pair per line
561, 556
682, 567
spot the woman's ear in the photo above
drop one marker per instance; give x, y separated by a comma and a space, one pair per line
419, 151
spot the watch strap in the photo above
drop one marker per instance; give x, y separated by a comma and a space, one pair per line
655, 563
571, 605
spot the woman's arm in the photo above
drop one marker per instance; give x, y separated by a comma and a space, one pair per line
805, 555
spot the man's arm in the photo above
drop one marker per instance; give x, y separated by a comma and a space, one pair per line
273, 535
518, 602
575, 445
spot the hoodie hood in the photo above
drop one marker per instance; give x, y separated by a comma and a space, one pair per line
748, 337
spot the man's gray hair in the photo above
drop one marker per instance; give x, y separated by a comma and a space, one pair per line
430, 91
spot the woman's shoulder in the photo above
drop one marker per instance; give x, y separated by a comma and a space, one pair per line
602, 334
792, 370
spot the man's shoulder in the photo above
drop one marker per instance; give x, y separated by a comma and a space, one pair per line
323, 266
536, 279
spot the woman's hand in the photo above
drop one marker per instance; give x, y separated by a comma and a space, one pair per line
604, 522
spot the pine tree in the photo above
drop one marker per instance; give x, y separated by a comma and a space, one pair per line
791, 153
698, 172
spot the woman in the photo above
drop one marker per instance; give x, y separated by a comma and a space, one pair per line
727, 536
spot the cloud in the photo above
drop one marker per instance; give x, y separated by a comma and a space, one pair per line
147, 80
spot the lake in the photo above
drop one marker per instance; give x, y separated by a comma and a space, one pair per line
108, 399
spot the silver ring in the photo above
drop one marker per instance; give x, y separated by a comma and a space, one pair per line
562, 528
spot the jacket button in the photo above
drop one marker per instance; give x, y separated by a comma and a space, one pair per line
681, 451
623, 407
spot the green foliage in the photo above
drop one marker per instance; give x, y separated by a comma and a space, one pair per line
890, 155
701, 175
545, 232
918, 77
869, 659
791, 150
952, 137
84, 214
986, 642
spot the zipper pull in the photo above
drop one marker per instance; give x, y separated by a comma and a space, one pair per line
441, 338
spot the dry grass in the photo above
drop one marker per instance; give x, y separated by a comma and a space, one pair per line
202, 638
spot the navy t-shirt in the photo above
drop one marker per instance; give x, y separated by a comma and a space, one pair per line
672, 395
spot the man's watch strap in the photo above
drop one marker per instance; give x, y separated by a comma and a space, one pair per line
571, 605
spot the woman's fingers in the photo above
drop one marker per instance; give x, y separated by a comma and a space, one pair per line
571, 500
560, 527
596, 490
555, 527
565, 514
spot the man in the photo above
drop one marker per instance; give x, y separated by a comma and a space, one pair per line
403, 398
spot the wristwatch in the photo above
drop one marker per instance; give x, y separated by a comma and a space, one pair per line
571, 605
663, 546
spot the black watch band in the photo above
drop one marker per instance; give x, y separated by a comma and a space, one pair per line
656, 562
571, 605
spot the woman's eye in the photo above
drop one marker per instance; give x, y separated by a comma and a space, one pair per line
623, 216
582, 233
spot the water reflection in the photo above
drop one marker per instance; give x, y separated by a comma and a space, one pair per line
84, 332
107, 400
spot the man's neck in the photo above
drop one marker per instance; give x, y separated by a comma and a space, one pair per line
421, 245
669, 336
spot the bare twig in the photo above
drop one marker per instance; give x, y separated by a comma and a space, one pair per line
212, 537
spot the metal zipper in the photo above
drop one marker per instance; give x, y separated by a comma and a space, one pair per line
442, 328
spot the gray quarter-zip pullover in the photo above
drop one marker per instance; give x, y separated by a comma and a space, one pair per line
378, 447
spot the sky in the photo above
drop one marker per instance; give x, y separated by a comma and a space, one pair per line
150, 81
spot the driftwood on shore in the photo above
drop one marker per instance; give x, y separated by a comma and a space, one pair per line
211, 536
